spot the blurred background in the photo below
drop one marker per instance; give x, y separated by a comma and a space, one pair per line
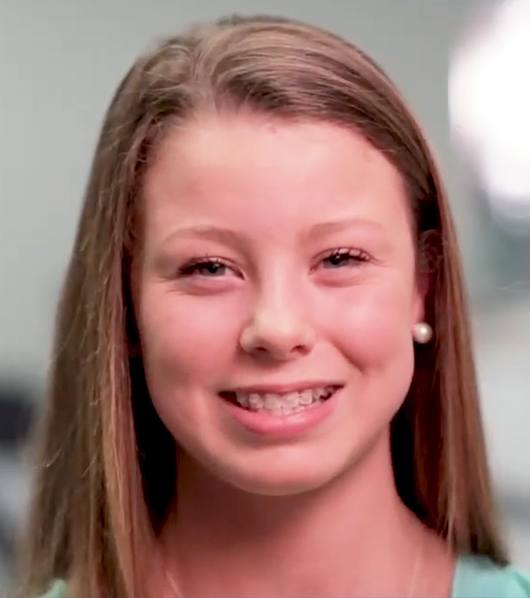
462, 65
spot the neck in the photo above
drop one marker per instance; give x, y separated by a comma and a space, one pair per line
352, 537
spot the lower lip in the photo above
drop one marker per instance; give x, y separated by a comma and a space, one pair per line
283, 426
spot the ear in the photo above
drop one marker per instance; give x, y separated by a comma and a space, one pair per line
429, 256
421, 288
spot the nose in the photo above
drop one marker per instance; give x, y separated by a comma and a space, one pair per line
278, 332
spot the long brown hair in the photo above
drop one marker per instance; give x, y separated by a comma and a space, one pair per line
104, 458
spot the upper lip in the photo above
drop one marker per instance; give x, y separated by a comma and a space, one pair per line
283, 388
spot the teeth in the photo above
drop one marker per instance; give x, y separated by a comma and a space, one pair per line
306, 397
322, 392
272, 402
288, 409
292, 402
255, 401
291, 399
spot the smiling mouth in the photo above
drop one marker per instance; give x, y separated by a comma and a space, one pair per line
280, 404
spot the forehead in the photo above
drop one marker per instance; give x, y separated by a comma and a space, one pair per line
255, 171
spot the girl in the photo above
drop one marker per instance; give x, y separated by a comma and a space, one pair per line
262, 382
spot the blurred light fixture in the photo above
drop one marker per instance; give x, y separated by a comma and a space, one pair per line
489, 106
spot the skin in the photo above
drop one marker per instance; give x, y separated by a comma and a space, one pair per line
279, 311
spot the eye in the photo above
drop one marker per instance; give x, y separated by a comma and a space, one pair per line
344, 257
204, 266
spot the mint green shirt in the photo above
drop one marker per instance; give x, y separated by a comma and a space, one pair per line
479, 577
475, 577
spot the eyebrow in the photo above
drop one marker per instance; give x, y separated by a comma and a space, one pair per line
323, 228
231, 237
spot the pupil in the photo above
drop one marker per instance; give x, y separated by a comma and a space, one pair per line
213, 267
336, 259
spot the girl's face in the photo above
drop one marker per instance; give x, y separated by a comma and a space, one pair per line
277, 257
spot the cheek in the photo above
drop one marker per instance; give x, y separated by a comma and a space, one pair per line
373, 328
373, 334
183, 337
186, 346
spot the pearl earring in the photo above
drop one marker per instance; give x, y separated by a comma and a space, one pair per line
422, 332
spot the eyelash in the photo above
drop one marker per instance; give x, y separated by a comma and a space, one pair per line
196, 264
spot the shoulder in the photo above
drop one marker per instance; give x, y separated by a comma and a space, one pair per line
479, 577
56, 590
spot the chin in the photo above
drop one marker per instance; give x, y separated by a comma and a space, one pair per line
280, 487
284, 478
